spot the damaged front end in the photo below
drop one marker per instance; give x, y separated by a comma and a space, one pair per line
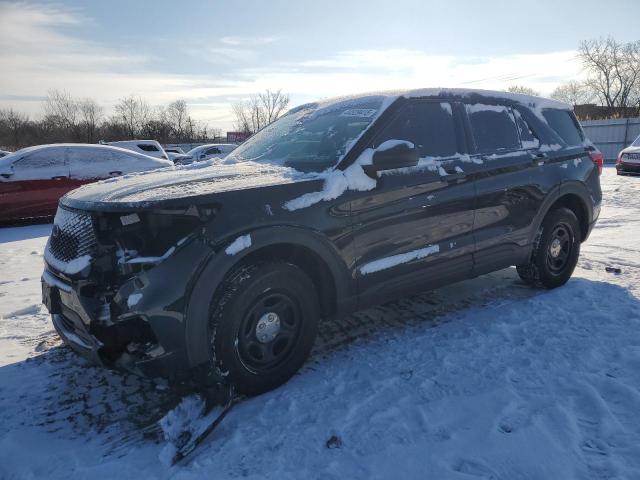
116, 284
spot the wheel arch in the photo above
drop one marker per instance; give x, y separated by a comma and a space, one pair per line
307, 249
573, 196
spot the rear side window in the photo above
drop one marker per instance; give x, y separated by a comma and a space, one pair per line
527, 137
428, 125
46, 158
148, 148
493, 127
564, 124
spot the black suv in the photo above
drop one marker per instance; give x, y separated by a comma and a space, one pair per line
227, 267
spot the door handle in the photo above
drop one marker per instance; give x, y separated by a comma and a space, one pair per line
539, 158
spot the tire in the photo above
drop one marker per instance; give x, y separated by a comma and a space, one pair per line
263, 325
555, 252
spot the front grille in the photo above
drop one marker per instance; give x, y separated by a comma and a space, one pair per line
632, 156
72, 235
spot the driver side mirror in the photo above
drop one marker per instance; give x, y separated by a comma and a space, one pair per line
390, 155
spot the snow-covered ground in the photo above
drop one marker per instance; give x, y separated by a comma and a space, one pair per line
483, 379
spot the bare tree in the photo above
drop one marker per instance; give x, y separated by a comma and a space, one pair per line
63, 111
90, 116
523, 89
260, 110
273, 104
574, 93
242, 122
613, 71
177, 115
15, 123
133, 113
70, 119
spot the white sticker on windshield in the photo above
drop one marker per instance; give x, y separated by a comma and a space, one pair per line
359, 112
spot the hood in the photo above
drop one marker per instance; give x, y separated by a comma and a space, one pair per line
631, 149
182, 182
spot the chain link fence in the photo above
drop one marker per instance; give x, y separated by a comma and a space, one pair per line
611, 136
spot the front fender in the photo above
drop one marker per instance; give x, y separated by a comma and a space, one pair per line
221, 263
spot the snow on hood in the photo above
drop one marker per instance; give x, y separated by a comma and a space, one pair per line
184, 181
631, 149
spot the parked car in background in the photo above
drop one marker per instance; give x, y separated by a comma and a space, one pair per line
177, 155
34, 178
227, 269
628, 162
151, 148
4, 153
211, 150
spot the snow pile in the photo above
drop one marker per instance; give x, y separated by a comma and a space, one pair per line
389, 144
395, 260
486, 378
336, 182
238, 245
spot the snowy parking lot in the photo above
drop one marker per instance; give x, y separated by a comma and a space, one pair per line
483, 379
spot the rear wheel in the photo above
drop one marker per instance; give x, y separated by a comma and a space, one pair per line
263, 325
556, 251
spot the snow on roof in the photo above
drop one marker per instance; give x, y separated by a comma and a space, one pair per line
528, 100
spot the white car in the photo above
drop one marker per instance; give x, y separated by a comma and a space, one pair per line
34, 178
210, 150
151, 148
177, 155
628, 162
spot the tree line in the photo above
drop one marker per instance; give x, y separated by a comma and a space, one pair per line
69, 119
612, 80
612, 83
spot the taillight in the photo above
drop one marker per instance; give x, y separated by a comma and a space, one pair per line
598, 159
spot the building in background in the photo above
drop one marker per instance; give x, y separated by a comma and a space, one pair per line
237, 137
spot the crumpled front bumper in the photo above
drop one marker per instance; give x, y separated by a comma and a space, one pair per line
146, 337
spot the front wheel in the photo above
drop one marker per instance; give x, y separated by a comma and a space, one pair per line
263, 325
556, 251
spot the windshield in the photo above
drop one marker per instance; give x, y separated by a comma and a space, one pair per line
311, 137
194, 150
636, 142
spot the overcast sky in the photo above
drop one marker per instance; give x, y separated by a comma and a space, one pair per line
213, 53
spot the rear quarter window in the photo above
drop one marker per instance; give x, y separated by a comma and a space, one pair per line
527, 137
148, 148
565, 125
493, 127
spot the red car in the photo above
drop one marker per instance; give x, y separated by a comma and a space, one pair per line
34, 178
